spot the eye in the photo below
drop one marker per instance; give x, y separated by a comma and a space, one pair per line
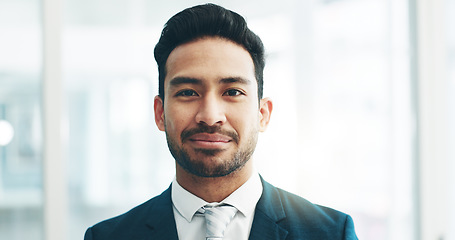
233, 93
186, 93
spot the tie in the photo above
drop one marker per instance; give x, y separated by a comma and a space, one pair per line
217, 218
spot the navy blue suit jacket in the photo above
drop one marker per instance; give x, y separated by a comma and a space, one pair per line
278, 215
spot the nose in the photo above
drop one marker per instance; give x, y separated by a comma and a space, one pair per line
211, 112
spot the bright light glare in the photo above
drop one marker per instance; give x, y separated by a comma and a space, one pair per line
6, 133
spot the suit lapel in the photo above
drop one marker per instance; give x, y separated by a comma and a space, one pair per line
269, 211
161, 221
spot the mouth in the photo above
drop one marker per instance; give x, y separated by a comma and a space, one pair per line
209, 140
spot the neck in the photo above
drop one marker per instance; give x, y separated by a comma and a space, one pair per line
214, 189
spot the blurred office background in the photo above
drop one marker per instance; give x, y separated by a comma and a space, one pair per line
364, 116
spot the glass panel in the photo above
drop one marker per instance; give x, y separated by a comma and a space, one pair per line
116, 156
337, 71
21, 190
450, 28
347, 140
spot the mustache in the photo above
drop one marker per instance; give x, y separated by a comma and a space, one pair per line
204, 128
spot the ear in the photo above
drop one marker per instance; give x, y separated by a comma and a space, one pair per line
265, 111
159, 112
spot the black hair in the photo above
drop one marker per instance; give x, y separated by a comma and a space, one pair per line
208, 20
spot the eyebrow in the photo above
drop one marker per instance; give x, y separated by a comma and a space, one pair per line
235, 80
184, 80
188, 80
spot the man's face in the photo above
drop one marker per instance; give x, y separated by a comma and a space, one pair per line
211, 113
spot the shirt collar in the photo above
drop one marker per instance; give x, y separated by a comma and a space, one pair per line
244, 198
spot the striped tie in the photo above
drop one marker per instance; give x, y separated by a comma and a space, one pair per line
217, 218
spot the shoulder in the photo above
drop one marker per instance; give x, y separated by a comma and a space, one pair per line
132, 222
307, 218
125, 219
298, 207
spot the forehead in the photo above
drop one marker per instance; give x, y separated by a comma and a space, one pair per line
210, 58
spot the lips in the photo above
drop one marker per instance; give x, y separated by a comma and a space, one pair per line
209, 141
207, 137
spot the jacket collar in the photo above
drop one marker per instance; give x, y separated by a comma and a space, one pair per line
163, 223
269, 211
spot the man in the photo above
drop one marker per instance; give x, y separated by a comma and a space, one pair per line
211, 108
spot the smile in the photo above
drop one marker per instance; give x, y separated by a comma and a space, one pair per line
206, 140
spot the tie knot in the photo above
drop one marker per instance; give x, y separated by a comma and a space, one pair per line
217, 218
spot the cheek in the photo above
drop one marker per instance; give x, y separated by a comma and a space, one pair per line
176, 119
244, 121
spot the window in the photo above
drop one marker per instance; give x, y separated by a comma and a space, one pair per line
21, 188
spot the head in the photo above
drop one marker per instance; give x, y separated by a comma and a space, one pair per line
208, 102
208, 20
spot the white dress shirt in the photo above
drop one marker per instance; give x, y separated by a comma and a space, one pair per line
192, 227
